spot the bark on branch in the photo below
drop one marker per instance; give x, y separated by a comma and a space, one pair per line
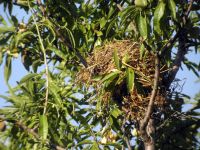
147, 139
181, 35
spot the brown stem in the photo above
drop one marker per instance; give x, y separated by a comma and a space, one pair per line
145, 121
42, 8
146, 125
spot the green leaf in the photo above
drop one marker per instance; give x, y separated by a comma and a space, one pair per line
94, 146
84, 142
111, 76
116, 59
58, 52
54, 91
43, 127
115, 112
130, 79
158, 14
7, 68
110, 26
142, 51
71, 37
141, 3
142, 26
28, 77
21, 36
172, 8
2, 21
6, 29
102, 22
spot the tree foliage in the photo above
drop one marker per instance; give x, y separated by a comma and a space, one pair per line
50, 109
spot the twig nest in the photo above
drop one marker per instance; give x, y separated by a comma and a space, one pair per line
102, 64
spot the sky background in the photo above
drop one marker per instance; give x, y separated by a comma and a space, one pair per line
191, 87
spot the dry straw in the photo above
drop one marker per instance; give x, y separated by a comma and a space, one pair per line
101, 63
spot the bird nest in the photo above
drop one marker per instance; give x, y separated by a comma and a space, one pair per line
101, 63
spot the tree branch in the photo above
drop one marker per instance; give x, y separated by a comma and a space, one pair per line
145, 121
182, 49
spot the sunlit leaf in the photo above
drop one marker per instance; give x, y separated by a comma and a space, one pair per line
43, 127
28, 77
172, 7
130, 79
115, 112
141, 3
6, 29
142, 51
54, 90
142, 25
158, 14
111, 76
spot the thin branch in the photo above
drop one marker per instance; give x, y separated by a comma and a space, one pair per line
42, 8
174, 38
149, 111
45, 61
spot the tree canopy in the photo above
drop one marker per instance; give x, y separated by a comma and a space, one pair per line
109, 74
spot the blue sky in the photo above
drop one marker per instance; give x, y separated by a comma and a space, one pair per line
18, 71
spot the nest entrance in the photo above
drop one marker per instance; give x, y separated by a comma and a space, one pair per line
101, 63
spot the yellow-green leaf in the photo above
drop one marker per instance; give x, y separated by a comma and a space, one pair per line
28, 77
158, 14
115, 112
141, 3
43, 127
142, 51
172, 7
54, 91
111, 76
142, 25
130, 79
6, 29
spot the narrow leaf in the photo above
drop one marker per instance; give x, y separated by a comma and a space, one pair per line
172, 8
28, 77
142, 51
142, 26
158, 14
71, 37
43, 127
84, 142
54, 91
57, 52
110, 76
6, 29
130, 79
